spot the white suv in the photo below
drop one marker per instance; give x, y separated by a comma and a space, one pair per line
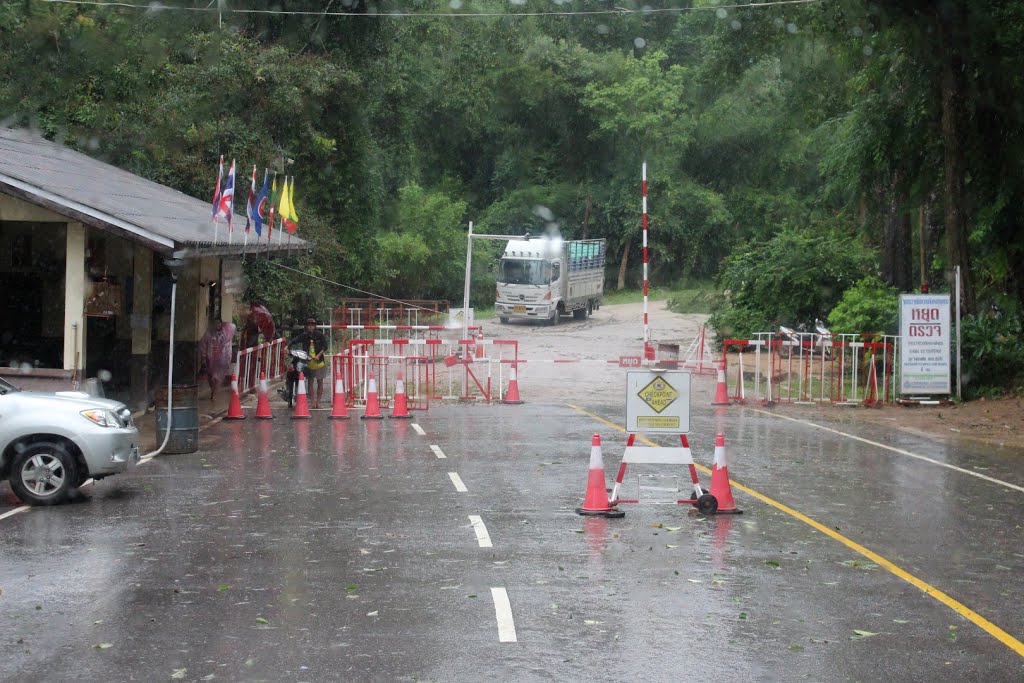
51, 443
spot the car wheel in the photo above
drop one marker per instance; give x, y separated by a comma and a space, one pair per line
503, 320
580, 314
44, 474
554, 318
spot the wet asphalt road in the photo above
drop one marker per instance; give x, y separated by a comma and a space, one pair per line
320, 550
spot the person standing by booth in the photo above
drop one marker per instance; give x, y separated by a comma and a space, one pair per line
312, 341
215, 353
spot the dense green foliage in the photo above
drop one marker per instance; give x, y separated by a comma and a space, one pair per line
796, 275
993, 354
792, 149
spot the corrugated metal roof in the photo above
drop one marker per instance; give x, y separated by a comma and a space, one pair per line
96, 193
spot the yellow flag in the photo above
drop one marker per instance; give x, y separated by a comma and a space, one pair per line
293, 215
285, 207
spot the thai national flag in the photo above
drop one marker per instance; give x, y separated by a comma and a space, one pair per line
227, 197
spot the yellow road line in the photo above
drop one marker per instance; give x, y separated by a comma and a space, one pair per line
926, 588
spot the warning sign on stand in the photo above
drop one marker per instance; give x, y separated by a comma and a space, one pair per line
658, 402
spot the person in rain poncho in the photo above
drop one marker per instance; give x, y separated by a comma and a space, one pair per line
215, 353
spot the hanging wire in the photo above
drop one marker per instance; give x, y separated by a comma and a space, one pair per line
158, 7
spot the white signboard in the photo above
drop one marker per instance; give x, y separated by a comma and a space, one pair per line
658, 402
924, 344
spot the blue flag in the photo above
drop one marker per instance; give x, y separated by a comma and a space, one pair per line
261, 204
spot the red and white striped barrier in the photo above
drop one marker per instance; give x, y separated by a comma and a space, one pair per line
846, 371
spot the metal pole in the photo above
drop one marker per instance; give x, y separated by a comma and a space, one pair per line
648, 351
959, 395
465, 289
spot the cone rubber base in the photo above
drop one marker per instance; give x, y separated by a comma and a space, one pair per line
234, 417
734, 511
399, 417
302, 417
513, 403
371, 417
340, 417
264, 417
613, 513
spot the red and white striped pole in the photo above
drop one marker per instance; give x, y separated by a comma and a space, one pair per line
648, 349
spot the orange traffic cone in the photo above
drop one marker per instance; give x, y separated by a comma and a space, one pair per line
235, 404
721, 391
479, 344
339, 409
372, 405
512, 395
401, 408
262, 402
596, 502
301, 401
740, 396
871, 387
720, 487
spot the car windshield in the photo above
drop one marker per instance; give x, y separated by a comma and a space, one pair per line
6, 387
524, 272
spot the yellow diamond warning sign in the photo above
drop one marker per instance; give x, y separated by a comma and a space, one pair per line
659, 394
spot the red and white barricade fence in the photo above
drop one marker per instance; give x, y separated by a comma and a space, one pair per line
268, 357
848, 370
430, 369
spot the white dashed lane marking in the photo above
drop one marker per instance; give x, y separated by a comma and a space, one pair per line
438, 452
418, 429
457, 480
11, 513
503, 612
482, 537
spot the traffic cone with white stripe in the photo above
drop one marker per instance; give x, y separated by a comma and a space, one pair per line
512, 395
720, 487
301, 401
372, 404
721, 391
339, 411
479, 344
596, 502
871, 386
235, 404
262, 402
401, 409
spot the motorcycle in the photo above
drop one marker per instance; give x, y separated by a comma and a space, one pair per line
823, 340
300, 359
791, 342
788, 340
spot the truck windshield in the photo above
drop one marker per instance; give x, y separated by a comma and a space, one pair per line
524, 272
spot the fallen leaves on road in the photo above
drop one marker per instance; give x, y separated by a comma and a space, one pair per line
859, 634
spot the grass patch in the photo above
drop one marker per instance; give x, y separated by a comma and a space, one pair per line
684, 297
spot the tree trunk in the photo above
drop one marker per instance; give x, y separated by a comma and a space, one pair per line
896, 249
929, 237
586, 217
948, 22
623, 263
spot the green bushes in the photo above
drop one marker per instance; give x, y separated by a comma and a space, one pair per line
793, 278
870, 307
993, 354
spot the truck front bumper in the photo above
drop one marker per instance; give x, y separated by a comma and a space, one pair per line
522, 310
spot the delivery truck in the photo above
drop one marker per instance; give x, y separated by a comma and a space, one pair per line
548, 277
